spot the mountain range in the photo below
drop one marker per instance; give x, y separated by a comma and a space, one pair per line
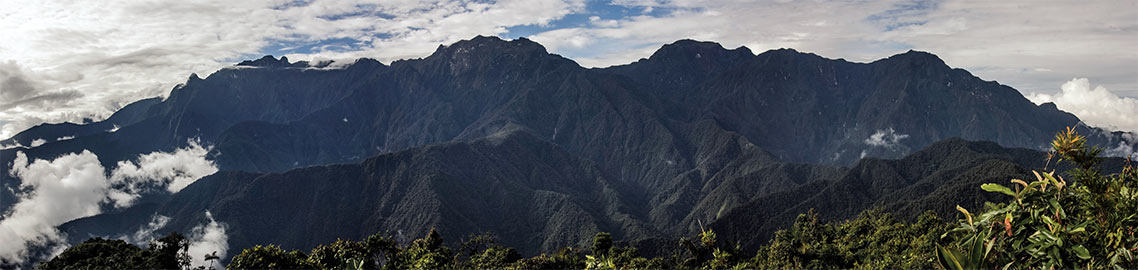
490, 135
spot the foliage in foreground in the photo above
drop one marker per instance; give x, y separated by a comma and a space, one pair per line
874, 240
1088, 222
165, 253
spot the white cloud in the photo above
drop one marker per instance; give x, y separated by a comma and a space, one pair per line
1095, 106
1123, 149
64, 138
173, 171
38, 142
64, 189
885, 138
73, 186
209, 238
146, 233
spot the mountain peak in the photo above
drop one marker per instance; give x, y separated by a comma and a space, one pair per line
917, 58
687, 48
491, 44
270, 61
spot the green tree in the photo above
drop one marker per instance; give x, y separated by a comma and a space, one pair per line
565, 258
483, 252
424, 253
602, 243
168, 252
269, 257
338, 255
874, 240
98, 253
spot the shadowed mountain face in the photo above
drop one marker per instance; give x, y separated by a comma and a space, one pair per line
494, 135
805, 108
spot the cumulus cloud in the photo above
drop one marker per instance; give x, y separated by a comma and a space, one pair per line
76, 185
208, 238
69, 187
172, 171
1095, 106
885, 138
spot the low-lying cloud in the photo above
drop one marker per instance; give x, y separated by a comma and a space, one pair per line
66, 188
1127, 147
172, 171
76, 185
209, 238
38, 142
888, 138
145, 234
1096, 106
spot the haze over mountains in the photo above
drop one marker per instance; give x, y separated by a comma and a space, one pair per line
502, 136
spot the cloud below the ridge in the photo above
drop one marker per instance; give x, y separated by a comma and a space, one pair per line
76, 185
145, 234
66, 188
1095, 106
887, 138
174, 170
209, 238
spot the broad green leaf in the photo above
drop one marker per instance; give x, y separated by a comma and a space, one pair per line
1081, 252
946, 259
990, 187
977, 251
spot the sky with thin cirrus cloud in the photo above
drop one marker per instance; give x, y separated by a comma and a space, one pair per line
71, 60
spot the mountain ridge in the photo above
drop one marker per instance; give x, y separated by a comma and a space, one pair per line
694, 133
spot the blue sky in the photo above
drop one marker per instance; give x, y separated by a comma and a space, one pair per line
78, 60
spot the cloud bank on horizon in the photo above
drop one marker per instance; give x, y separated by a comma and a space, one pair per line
76, 60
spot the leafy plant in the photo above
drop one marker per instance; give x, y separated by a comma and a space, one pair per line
1050, 222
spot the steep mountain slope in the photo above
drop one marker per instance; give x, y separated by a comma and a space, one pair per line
532, 192
199, 109
805, 108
